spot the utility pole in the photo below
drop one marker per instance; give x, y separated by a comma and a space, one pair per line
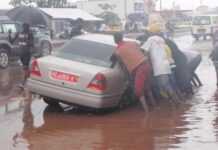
160, 5
125, 9
201, 2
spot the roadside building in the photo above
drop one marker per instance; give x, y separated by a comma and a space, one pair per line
62, 17
56, 19
120, 7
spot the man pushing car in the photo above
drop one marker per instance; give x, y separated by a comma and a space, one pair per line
137, 64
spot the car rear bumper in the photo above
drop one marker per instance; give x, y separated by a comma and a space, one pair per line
73, 96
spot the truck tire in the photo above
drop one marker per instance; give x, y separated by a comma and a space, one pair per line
6, 80
4, 58
127, 99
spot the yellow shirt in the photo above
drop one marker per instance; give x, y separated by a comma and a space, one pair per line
169, 54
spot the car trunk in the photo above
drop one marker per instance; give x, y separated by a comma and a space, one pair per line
54, 71
82, 65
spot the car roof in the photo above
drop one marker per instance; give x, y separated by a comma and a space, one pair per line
100, 38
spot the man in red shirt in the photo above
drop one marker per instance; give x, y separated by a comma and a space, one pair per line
138, 67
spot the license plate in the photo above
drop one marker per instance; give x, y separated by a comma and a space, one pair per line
61, 76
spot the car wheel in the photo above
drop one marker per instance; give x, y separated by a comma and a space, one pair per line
50, 101
127, 99
6, 81
4, 58
46, 48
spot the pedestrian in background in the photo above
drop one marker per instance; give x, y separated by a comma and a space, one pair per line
26, 43
77, 29
138, 67
214, 53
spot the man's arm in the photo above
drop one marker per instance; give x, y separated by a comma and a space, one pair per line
113, 59
146, 47
10, 38
116, 59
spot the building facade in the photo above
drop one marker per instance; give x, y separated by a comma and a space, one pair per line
120, 7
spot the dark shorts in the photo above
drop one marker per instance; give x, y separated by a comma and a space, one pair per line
25, 58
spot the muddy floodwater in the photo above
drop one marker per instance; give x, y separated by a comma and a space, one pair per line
31, 125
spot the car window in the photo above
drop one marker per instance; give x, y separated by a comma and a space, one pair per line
201, 20
215, 20
1, 31
9, 26
87, 52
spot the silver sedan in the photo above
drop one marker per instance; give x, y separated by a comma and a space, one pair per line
80, 73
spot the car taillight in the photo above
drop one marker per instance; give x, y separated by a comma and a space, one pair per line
98, 83
35, 71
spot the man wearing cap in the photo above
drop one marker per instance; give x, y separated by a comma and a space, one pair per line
156, 47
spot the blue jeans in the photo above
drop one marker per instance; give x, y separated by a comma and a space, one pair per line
164, 83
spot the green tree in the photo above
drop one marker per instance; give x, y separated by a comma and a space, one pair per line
107, 7
16, 3
110, 18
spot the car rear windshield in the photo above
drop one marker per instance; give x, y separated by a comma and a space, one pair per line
87, 52
201, 20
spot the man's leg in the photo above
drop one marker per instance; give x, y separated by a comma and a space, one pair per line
165, 85
142, 100
174, 86
25, 59
26, 66
151, 97
140, 85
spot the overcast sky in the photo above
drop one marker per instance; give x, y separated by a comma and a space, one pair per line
185, 4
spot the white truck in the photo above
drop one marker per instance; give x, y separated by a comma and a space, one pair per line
204, 26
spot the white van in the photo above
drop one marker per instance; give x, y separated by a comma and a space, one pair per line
204, 25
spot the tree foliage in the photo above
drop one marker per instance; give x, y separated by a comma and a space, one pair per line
110, 18
107, 7
41, 3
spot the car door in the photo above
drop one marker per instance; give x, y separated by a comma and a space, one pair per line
6, 27
3, 36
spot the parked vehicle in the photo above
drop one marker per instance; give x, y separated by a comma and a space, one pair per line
204, 25
81, 73
42, 42
8, 50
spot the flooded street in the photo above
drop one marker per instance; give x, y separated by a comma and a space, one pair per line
32, 125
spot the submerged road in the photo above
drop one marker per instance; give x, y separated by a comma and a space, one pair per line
31, 125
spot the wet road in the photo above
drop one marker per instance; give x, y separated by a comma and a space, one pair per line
32, 125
